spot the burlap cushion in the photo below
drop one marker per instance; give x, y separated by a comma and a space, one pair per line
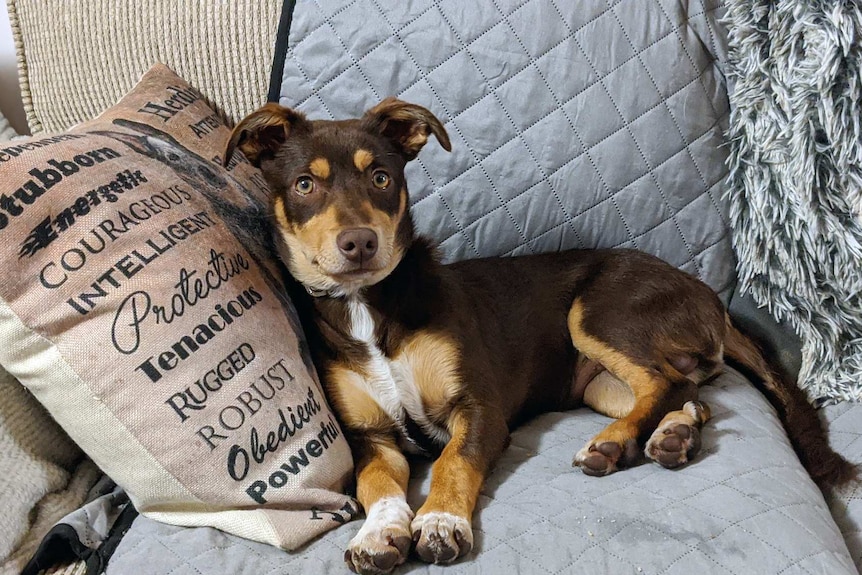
141, 306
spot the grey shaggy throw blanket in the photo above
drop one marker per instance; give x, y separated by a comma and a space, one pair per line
796, 176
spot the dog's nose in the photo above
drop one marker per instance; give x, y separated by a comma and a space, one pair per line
357, 244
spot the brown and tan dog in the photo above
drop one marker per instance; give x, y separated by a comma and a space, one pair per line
446, 359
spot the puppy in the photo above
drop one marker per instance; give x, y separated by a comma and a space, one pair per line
446, 359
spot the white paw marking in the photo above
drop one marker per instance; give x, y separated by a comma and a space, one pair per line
581, 455
388, 519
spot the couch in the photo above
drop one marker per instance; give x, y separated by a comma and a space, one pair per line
596, 126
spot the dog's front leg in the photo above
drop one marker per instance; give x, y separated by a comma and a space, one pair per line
442, 527
383, 541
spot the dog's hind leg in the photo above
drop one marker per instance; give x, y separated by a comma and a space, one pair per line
655, 401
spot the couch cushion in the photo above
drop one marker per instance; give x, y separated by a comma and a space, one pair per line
574, 124
845, 434
142, 306
72, 71
745, 505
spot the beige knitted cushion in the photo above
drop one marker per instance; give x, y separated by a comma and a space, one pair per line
77, 58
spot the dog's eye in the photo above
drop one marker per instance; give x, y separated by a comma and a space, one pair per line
381, 179
304, 185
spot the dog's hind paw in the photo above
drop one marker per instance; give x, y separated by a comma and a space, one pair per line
599, 458
676, 440
384, 541
441, 537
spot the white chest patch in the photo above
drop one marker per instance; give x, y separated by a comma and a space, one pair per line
390, 383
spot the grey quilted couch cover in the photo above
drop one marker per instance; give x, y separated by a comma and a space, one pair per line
574, 124
746, 508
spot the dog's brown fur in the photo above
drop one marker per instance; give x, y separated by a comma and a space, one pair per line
447, 359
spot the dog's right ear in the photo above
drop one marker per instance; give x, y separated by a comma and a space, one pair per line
260, 133
405, 124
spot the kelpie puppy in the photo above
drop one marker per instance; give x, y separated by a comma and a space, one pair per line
420, 356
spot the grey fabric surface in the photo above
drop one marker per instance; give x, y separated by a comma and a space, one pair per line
93, 521
573, 124
745, 506
845, 433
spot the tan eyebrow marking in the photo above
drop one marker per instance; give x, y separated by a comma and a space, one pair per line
362, 159
319, 168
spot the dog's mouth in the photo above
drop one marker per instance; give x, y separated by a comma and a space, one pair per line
344, 277
355, 274
340, 266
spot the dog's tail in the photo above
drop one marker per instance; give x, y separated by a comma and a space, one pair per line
799, 417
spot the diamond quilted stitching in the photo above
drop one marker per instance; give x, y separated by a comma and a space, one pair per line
658, 147
603, 56
594, 113
357, 99
503, 23
640, 204
558, 102
398, 20
601, 227
391, 83
619, 159
430, 31
525, 22
597, 560
578, 74
551, 145
485, 12
513, 175
341, 26
507, 235
559, 521
495, 55
527, 98
537, 213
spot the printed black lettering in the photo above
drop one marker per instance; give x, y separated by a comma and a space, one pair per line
149, 369
314, 448
236, 414
256, 491
64, 167
208, 433
293, 465
179, 402
162, 112
237, 463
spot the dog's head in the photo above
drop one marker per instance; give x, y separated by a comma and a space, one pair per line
339, 195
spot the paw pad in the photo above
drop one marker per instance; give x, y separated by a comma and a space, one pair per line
673, 445
441, 537
599, 459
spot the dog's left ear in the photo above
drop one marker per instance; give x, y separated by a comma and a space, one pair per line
262, 132
408, 125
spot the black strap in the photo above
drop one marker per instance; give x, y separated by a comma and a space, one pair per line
97, 562
60, 546
63, 545
280, 52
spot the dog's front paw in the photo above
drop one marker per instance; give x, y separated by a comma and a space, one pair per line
600, 458
676, 440
441, 537
383, 542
